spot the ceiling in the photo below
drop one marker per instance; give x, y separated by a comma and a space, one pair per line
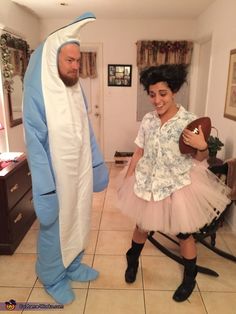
117, 9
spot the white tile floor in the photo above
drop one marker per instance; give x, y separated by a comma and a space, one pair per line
157, 278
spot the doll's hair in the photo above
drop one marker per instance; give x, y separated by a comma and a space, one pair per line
174, 75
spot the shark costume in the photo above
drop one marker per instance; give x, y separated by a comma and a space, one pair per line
66, 165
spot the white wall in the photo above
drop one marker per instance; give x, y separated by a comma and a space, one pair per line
219, 22
27, 25
201, 85
119, 38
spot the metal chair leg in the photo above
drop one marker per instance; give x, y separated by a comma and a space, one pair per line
216, 250
178, 259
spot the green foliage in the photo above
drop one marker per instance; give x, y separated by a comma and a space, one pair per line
214, 145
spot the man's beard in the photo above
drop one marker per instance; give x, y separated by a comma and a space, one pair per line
69, 81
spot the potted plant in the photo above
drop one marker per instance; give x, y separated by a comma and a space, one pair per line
214, 145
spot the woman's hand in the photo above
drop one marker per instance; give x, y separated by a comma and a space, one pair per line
138, 153
195, 140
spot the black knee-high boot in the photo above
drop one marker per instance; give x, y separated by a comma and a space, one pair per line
189, 282
132, 257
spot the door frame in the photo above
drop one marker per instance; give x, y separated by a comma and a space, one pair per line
98, 48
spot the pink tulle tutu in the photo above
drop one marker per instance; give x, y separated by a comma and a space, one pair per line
186, 210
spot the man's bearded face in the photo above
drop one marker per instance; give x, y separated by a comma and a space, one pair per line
69, 63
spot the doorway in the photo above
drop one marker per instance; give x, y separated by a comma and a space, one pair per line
93, 89
203, 77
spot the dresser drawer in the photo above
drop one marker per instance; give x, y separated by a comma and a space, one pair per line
16, 206
17, 184
21, 217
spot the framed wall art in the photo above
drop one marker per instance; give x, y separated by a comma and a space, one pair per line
119, 75
230, 101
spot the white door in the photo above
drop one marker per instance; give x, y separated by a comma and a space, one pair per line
93, 91
90, 87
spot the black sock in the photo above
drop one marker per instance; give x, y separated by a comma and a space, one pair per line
190, 267
136, 248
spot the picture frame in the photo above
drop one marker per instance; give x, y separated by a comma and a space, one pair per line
119, 75
230, 101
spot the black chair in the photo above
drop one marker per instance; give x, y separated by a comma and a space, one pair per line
204, 233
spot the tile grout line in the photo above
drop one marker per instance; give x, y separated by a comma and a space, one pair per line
142, 276
95, 247
200, 293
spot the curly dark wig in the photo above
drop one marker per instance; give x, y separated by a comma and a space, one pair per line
174, 75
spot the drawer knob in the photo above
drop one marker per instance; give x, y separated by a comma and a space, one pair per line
18, 218
28, 173
14, 188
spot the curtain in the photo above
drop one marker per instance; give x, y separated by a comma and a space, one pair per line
88, 65
153, 53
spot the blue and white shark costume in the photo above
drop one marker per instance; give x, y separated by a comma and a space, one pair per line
66, 165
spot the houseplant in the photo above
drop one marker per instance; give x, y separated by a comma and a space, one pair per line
214, 145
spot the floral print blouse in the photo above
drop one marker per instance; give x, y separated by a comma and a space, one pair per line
162, 168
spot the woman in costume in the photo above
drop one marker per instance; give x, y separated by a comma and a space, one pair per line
165, 190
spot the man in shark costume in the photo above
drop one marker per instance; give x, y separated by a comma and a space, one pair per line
66, 165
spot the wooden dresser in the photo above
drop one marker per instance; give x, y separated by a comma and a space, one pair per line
16, 206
